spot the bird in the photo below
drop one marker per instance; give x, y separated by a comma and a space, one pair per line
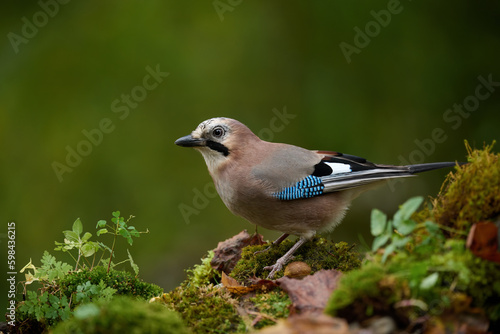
284, 187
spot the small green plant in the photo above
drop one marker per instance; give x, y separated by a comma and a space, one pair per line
395, 234
86, 248
90, 279
119, 227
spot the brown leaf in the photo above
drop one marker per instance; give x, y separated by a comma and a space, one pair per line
307, 324
311, 293
228, 252
228, 281
235, 287
483, 241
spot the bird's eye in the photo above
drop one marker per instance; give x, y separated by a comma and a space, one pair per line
218, 132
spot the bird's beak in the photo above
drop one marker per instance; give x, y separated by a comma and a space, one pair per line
190, 141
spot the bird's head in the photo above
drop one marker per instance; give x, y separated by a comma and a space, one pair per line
217, 139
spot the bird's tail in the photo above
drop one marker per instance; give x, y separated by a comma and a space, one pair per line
414, 169
342, 181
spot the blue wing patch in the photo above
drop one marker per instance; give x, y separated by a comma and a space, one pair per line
309, 187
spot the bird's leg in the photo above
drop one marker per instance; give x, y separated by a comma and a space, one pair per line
285, 258
275, 243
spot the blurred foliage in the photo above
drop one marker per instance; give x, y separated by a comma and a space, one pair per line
122, 315
70, 80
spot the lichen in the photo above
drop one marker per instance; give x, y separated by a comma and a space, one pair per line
318, 253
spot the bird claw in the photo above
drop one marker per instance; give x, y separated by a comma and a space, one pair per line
277, 266
274, 269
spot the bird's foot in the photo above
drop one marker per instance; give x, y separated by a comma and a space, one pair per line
284, 259
278, 266
275, 243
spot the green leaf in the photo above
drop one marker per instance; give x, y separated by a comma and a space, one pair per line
407, 209
124, 233
72, 236
102, 231
78, 227
134, 266
429, 281
88, 249
101, 223
86, 236
116, 214
433, 228
380, 241
378, 222
44, 297
51, 313
405, 227
47, 259
388, 250
104, 246
400, 242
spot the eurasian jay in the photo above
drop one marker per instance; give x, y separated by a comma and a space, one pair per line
284, 187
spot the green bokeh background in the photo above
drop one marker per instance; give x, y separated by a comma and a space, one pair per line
255, 58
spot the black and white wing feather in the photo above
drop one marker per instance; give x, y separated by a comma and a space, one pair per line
337, 172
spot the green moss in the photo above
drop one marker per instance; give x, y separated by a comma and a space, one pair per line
122, 315
203, 274
124, 282
361, 282
205, 309
368, 291
274, 304
472, 193
484, 286
318, 253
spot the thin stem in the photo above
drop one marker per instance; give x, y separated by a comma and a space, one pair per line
71, 255
113, 247
127, 260
78, 260
443, 227
93, 261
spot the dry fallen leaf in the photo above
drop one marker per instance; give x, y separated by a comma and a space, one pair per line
235, 287
483, 241
228, 252
307, 324
311, 293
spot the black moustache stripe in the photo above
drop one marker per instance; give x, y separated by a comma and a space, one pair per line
218, 147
